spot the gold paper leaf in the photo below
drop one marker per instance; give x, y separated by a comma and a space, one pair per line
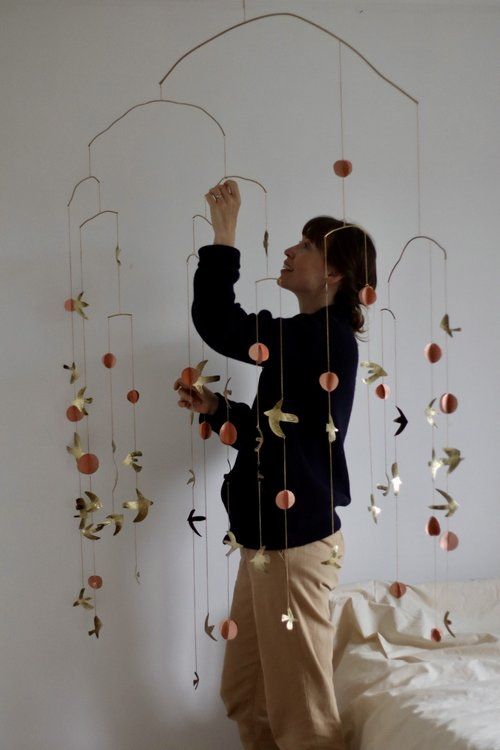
259, 439
276, 416
385, 487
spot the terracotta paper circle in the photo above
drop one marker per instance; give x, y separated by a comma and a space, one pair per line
205, 430
109, 360
382, 391
95, 582
329, 381
258, 352
88, 463
436, 634
133, 396
189, 376
449, 541
433, 528
397, 589
228, 629
433, 352
367, 295
448, 403
74, 414
285, 499
342, 168
69, 305
228, 433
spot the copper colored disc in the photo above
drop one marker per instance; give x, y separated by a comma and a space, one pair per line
258, 352
228, 629
74, 414
109, 360
436, 634
382, 391
342, 168
448, 403
133, 396
449, 541
329, 381
433, 528
367, 295
95, 582
189, 376
397, 589
205, 430
228, 433
433, 352
69, 305
285, 499
88, 463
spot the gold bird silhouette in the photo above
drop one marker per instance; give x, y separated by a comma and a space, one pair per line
266, 241
331, 429
445, 325
385, 487
232, 543
374, 509
334, 557
434, 464
451, 504
276, 416
209, 628
131, 460
453, 459
202, 379
116, 518
75, 449
117, 254
88, 533
448, 622
259, 440
142, 505
396, 479
431, 413
83, 601
375, 371
97, 627
79, 303
87, 508
260, 561
192, 479
74, 372
81, 400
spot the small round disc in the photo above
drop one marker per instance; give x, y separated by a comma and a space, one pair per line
88, 463
328, 381
285, 499
133, 396
95, 582
228, 433
228, 629
74, 414
258, 352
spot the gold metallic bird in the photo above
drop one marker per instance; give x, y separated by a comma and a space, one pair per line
374, 510
83, 601
231, 541
331, 429
75, 449
131, 460
74, 372
142, 505
451, 504
375, 371
453, 459
276, 416
81, 400
445, 325
78, 304
431, 412
260, 561
97, 627
201, 380
334, 558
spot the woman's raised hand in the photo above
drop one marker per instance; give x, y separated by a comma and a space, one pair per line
224, 201
190, 398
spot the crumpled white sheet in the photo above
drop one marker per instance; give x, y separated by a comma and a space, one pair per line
398, 690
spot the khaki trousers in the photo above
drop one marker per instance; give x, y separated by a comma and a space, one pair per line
277, 684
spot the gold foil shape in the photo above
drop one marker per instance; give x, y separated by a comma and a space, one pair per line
209, 629
374, 509
226, 392
87, 532
142, 505
192, 480
260, 561
79, 304
201, 380
276, 416
396, 479
445, 325
74, 372
265, 243
116, 518
233, 544
331, 429
334, 557
83, 601
117, 255
448, 622
430, 413
451, 504
81, 400
453, 459
435, 464
259, 440
385, 487
289, 619
75, 449
374, 371
97, 627
131, 460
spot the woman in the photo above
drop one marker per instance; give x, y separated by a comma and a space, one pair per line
277, 683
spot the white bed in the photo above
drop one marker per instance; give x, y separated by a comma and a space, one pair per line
397, 689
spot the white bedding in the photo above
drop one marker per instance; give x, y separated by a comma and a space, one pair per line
399, 690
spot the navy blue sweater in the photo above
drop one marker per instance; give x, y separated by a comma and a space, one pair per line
229, 330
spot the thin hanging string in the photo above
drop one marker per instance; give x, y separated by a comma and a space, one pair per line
328, 394
112, 425
205, 503
284, 460
341, 127
192, 465
447, 421
135, 440
258, 419
431, 373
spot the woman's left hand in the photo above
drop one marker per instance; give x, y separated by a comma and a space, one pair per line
224, 201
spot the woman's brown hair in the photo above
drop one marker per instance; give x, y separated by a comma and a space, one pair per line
351, 252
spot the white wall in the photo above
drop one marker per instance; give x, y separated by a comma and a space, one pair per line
68, 69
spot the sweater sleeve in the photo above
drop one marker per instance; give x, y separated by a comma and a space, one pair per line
240, 414
218, 318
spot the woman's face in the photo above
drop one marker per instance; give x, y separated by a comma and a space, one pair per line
303, 269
